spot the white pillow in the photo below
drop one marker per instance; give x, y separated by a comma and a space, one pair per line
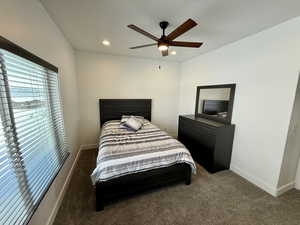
125, 118
133, 123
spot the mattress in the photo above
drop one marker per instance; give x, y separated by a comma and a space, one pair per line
123, 152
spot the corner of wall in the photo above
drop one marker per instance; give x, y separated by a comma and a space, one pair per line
254, 179
291, 154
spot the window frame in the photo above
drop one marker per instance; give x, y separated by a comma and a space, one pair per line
17, 50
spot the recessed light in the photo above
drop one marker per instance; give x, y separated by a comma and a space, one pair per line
106, 42
173, 53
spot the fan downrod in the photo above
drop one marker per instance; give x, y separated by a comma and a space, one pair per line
163, 25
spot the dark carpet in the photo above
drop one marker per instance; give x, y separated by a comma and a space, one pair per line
212, 199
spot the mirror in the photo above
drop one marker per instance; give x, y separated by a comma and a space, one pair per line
215, 102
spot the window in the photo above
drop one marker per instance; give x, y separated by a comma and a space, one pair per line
32, 137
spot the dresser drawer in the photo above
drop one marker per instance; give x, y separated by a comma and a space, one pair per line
210, 143
190, 130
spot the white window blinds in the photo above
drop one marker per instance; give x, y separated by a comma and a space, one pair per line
32, 137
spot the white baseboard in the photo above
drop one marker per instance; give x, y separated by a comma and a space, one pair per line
63, 191
276, 191
256, 181
88, 146
285, 188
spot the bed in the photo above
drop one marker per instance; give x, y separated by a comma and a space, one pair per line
131, 162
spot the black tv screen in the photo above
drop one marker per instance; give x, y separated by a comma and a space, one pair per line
213, 107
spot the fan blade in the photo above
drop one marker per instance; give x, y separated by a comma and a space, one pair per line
187, 25
185, 44
165, 53
142, 46
137, 29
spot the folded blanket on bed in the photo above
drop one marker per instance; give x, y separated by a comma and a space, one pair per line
123, 152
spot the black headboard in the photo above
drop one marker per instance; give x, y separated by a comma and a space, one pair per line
113, 109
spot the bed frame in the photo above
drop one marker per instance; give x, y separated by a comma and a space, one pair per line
113, 109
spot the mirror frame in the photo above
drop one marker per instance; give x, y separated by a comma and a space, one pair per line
226, 120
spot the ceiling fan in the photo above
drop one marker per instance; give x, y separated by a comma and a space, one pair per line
164, 41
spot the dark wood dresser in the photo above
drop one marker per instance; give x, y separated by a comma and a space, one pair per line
209, 142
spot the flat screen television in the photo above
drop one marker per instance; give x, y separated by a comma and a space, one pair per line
214, 107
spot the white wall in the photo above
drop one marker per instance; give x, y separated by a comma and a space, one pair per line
297, 179
292, 149
265, 68
27, 24
107, 76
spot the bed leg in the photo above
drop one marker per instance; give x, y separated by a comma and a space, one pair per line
188, 177
188, 181
99, 206
99, 200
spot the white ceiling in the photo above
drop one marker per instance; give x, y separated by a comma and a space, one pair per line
86, 23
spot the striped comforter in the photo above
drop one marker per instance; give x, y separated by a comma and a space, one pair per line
123, 152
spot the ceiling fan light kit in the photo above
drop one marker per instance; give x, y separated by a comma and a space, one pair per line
162, 47
164, 41
106, 42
